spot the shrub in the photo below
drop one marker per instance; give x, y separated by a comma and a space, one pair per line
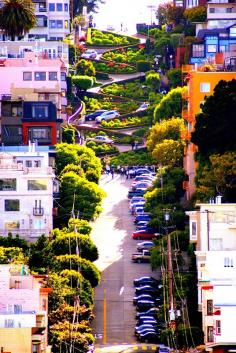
85, 67
143, 66
83, 82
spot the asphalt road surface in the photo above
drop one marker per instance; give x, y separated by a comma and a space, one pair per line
114, 311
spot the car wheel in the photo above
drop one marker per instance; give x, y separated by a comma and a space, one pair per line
139, 261
138, 238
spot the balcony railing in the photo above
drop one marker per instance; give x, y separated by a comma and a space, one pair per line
38, 211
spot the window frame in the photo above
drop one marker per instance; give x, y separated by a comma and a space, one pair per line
25, 73
59, 5
6, 208
50, 74
40, 76
51, 4
30, 183
209, 307
218, 328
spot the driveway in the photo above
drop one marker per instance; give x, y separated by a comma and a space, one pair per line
114, 311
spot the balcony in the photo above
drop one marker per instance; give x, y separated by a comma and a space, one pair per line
38, 211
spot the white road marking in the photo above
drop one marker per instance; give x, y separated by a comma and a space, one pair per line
121, 290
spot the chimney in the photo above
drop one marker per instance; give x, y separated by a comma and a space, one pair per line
218, 199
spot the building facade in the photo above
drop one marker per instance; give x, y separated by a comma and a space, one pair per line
23, 311
26, 189
213, 231
200, 84
53, 21
32, 99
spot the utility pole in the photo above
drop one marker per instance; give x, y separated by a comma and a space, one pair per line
170, 269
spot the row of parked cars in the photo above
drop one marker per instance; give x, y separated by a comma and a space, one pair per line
148, 290
148, 300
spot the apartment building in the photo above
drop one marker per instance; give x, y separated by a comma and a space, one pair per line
26, 190
23, 311
32, 99
53, 21
200, 84
213, 231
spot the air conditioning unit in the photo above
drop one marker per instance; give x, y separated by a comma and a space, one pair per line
20, 97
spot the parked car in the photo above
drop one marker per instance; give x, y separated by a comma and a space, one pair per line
143, 225
141, 186
149, 337
163, 349
110, 114
100, 138
142, 107
143, 234
143, 297
145, 305
142, 218
89, 54
147, 289
141, 171
143, 328
138, 210
136, 204
92, 116
145, 320
135, 199
150, 312
142, 281
145, 245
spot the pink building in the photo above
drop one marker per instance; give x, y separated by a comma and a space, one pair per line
23, 310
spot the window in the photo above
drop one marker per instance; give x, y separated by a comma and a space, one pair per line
40, 133
37, 164
229, 9
216, 244
52, 75
193, 230
28, 164
38, 184
40, 76
7, 184
218, 327
12, 205
212, 10
205, 87
56, 24
63, 76
212, 48
59, 7
41, 21
228, 262
66, 7
210, 335
27, 76
51, 7
59, 24
222, 48
198, 51
40, 111
9, 323
209, 307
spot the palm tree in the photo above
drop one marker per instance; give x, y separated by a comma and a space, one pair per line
17, 17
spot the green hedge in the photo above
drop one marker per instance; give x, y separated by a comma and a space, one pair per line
103, 38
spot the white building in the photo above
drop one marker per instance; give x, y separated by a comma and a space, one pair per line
213, 230
26, 193
53, 20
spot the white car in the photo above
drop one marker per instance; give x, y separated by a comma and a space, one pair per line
89, 54
100, 138
111, 114
142, 107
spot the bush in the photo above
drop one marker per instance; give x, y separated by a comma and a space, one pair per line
85, 67
83, 82
143, 66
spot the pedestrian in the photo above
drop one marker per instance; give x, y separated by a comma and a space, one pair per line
135, 145
107, 169
121, 26
127, 173
132, 145
112, 172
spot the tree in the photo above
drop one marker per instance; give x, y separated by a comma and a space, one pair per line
217, 176
78, 155
68, 134
170, 105
215, 128
81, 195
175, 77
166, 129
196, 14
169, 153
169, 14
92, 6
17, 17
153, 81
85, 67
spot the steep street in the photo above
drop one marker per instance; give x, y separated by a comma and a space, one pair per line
114, 311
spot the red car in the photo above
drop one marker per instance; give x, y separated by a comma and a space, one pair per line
144, 234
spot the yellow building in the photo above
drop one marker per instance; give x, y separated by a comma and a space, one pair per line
200, 84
